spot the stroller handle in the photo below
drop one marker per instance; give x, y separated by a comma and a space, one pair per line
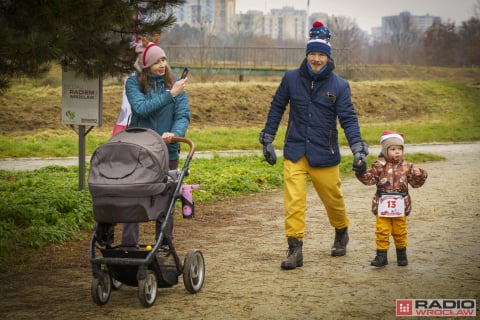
187, 141
174, 139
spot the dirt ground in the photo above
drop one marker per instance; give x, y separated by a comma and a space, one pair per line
243, 243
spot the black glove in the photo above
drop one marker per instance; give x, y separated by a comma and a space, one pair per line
360, 152
360, 168
268, 150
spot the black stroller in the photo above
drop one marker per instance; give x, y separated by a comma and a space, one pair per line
129, 181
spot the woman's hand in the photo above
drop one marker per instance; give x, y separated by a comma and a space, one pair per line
167, 137
178, 87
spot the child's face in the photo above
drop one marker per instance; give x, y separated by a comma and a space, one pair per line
395, 153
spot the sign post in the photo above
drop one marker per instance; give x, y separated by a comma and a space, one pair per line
81, 107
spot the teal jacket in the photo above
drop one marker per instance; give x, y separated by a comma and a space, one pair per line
158, 110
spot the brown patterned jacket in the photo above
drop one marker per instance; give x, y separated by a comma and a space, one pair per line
392, 177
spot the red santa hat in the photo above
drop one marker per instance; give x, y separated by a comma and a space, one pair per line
391, 138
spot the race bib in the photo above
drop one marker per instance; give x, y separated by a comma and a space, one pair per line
391, 206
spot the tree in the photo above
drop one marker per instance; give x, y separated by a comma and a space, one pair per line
404, 37
476, 9
347, 38
470, 33
92, 37
442, 45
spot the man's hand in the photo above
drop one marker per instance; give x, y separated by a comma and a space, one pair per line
361, 166
360, 152
268, 149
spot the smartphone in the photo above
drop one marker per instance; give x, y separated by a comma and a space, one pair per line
184, 73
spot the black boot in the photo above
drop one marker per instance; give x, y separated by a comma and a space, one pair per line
380, 260
340, 243
402, 257
294, 257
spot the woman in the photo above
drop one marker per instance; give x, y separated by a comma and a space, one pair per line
159, 102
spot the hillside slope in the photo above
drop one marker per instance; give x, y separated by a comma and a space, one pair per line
405, 92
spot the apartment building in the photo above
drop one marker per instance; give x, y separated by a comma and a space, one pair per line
286, 24
405, 22
216, 15
219, 17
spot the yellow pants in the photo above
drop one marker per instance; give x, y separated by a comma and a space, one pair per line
326, 182
397, 227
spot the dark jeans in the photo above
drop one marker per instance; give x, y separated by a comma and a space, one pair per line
131, 231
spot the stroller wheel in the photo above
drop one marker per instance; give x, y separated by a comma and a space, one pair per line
101, 288
194, 271
147, 289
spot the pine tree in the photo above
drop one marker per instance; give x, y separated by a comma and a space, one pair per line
91, 37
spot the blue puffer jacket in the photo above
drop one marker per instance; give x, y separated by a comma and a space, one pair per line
158, 110
315, 105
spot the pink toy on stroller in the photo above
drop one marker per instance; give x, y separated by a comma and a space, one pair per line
129, 182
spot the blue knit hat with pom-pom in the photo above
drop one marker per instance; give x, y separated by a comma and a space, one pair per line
319, 39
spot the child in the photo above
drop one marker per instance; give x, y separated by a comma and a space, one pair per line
391, 204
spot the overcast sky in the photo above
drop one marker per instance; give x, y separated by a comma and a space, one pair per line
368, 13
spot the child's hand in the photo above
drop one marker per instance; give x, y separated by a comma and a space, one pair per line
416, 171
360, 168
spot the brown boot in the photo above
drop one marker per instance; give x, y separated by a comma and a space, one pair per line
294, 257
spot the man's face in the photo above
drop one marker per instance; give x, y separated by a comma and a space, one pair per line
317, 60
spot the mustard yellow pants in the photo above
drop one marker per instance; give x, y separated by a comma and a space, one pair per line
384, 227
326, 182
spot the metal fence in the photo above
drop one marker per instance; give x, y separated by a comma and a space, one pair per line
249, 60
235, 57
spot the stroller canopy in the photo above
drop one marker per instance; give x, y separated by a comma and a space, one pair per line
133, 165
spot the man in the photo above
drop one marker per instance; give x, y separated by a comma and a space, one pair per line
317, 98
